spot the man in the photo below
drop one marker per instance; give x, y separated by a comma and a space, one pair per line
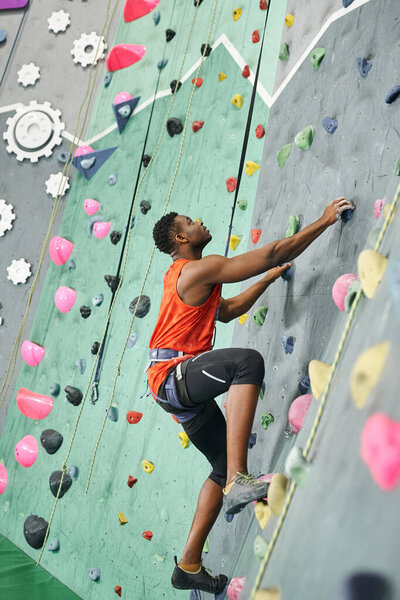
185, 375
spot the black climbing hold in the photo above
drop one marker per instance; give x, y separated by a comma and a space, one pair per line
197, 2
115, 236
95, 348
144, 206
35, 531
304, 385
85, 311
363, 66
74, 396
146, 159
393, 94
174, 126
206, 49
348, 214
143, 308
54, 481
175, 85
169, 34
362, 585
252, 440
51, 440
112, 282
107, 79
54, 389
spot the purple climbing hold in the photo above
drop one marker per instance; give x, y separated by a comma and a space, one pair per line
393, 94
304, 385
288, 274
330, 124
363, 66
229, 518
362, 585
348, 214
347, 3
288, 344
252, 440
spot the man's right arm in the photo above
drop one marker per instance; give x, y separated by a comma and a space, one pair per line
218, 269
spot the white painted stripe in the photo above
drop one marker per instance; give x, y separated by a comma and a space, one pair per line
75, 140
10, 107
212, 376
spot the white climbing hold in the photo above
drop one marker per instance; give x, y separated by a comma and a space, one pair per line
28, 74
19, 271
86, 41
7, 216
58, 21
57, 183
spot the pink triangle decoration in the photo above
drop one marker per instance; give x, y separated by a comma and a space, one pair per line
124, 55
134, 9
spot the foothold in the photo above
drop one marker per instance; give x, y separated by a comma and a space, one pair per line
255, 36
266, 420
131, 481
74, 396
122, 519
340, 289
297, 466
365, 585
235, 587
146, 159
259, 314
393, 94
237, 100
98, 300
112, 413
3, 36
352, 292
33, 405
71, 265
378, 206
144, 207
51, 440
255, 235
143, 308
147, 535
367, 371
380, 449
184, 439
64, 298
124, 55
54, 545
287, 274
162, 63
288, 343
304, 138
35, 531
242, 204
260, 131
118, 590
277, 492
318, 372
32, 353
234, 241
246, 71
260, 547
294, 223
221, 76
316, 57
55, 389
263, 5
62, 157
107, 79
55, 480
133, 417
205, 49
156, 17
81, 365
231, 184
251, 167
133, 338
283, 154
175, 85
26, 451
289, 20
148, 466
73, 472
396, 170
94, 573
252, 440
284, 52
237, 13
393, 285
115, 236
242, 319
174, 126
262, 513
330, 124
85, 311
112, 282
169, 34
196, 125
371, 268
112, 179
363, 66
298, 410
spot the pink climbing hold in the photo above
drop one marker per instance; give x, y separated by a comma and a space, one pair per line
297, 412
235, 587
3, 478
64, 298
33, 405
122, 97
134, 9
380, 449
101, 229
26, 451
91, 206
255, 235
340, 288
378, 206
231, 184
124, 55
81, 150
32, 353
60, 249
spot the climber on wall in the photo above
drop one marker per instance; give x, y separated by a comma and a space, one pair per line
185, 375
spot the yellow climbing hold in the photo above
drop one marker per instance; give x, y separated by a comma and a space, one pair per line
237, 100
277, 492
197, 219
237, 13
251, 167
234, 241
221, 76
262, 512
271, 593
371, 268
367, 371
242, 319
318, 372
289, 20
147, 466
122, 519
184, 439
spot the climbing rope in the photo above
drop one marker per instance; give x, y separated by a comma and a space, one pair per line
323, 400
56, 205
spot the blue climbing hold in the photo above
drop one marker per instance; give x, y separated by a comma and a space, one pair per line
348, 214
89, 164
347, 3
393, 285
195, 595
393, 94
112, 179
81, 365
107, 79
53, 545
132, 340
222, 594
362, 585
252, 440
71, 265
229, 518
156, 17
288, 274
123, 111
62, 157
94, 573
304, 385
3, 36
113, 413
98, 300
288, 344
73, 472
162, 63
363, 66
91, 222
54, 389
330, 124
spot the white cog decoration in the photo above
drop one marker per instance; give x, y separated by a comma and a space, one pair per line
57, 181
19, 271
28, 74
89, 41
7, 217
58, 21
33, 131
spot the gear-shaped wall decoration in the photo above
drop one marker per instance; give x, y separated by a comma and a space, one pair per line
7, 217
56, 182
84, 50
58, 21
33, 131
19, 271
28, 74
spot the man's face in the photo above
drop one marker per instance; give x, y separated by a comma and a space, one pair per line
197, 234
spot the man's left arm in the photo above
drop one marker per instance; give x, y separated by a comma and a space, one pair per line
231, 308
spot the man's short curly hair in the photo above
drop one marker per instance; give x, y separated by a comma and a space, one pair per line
164, 232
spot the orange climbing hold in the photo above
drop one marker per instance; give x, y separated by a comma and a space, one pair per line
196, 125
246, 71
124, 55
133, 417
263, 4
231, 184
147, 535
197, 82
255, 235
255, 36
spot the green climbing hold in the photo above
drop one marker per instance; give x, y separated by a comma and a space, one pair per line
206, 546
293, 228
304, 138
351, 294
396, 170
260, 547
259, 314
266, 420
316, 57
242, 204
284, 52
297, 466
283, 154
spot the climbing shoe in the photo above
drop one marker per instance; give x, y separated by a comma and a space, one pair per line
242, 490
182, 580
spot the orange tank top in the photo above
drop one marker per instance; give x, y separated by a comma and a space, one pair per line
181, 326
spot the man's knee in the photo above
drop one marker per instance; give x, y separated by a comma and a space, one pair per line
255, 368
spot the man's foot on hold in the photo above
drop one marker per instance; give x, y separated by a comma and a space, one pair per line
183, 580
242, 490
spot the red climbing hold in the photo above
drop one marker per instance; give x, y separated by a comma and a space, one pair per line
133, 417
260, 131
175, 419
197, 82
131, 481
124, 55
246, 71
118, 590
147, 535
196, 125
263, 4
255, 235
134, 9
231, 184
255, 36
